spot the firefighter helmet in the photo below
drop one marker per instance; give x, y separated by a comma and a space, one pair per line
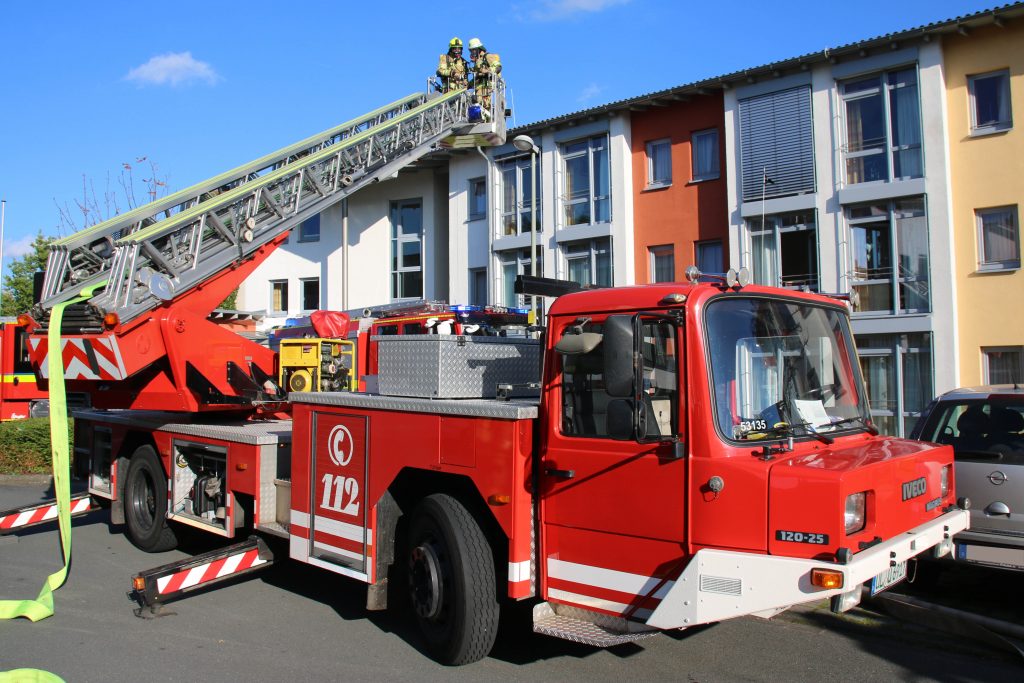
475, 44
454, 43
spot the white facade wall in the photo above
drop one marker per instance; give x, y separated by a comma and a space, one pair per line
367, 280
480, 244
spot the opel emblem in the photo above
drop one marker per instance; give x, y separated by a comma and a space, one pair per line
997, 478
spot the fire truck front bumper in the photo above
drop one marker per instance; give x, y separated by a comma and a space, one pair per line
721, 584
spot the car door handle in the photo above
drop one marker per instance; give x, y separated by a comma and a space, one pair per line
561, 474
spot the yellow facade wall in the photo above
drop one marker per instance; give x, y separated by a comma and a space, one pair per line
985, 172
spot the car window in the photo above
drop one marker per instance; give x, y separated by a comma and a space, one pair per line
980, 430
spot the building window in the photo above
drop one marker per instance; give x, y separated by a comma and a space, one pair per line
1003, 364
998, 238
990, 102
310, 294
704, 149
659, 163
407, 249
784, 250
478, 286
309, 229
477, 199
587, 190
890, 256
278, 296
777, 144
662, 263
898, 377
883, 127
590, 262
517, 198
513, 263
710, 257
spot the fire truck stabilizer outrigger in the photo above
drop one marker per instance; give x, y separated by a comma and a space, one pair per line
697, 451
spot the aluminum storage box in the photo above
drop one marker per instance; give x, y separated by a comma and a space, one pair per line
454, 366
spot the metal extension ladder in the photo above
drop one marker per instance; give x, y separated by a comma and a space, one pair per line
159, 251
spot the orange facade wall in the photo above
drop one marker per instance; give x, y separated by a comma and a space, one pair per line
685, 212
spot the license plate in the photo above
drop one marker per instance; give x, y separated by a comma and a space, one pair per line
890, 577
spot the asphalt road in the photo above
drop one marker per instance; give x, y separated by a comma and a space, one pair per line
295, 622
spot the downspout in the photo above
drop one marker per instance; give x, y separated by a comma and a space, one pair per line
491, 198
344, 254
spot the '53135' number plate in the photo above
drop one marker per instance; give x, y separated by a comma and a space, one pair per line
801, 537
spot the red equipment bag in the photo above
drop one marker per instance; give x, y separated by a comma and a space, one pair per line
329, 324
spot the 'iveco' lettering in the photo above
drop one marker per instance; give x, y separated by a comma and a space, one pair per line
915, 488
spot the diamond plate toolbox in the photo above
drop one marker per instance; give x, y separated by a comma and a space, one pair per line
455, 366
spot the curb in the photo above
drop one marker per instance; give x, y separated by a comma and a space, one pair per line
25, 479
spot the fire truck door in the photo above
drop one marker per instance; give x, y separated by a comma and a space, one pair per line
613, 512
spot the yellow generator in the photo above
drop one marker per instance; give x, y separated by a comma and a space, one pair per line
317, 365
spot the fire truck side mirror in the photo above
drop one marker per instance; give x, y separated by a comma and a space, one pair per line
619, 373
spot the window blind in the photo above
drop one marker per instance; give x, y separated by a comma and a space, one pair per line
776, 138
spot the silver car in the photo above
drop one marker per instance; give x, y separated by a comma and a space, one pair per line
985, 427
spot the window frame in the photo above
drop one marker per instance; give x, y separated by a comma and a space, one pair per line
400, 238
986, 368
653, 252
302, 293
520, 258
472, 214
477, 297
898, 348
1006, 91
883, 88
595, 145
894, 280
773, 225
716, 172
303, 236
1006, 264
522, 205
701, 244
651, 147
589, 250
270, 305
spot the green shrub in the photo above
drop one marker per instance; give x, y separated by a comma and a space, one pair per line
25, 446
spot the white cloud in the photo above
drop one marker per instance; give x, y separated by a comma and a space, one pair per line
19, 247
553, 10
173, 68
590, 92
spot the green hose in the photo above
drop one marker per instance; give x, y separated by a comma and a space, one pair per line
42, 606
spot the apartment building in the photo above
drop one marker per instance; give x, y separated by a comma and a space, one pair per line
984, 65
886, 168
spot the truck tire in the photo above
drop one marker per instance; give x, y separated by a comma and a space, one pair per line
145, 503
451, 581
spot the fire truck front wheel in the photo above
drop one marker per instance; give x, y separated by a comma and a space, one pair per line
145, 503
451, 581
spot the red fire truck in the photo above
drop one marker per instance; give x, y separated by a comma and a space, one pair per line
694, 451
19, 395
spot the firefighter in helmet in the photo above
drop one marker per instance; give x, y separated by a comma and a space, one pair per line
486, 68
452, 68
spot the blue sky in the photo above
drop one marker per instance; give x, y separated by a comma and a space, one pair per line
200, 87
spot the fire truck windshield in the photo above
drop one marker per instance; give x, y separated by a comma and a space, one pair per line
782, 368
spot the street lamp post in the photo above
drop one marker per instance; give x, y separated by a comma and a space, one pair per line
524, 143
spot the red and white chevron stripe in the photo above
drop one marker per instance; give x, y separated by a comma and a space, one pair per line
41, 513
75, 354
204, 573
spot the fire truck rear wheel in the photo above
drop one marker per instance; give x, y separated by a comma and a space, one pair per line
145, 503
451, 581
